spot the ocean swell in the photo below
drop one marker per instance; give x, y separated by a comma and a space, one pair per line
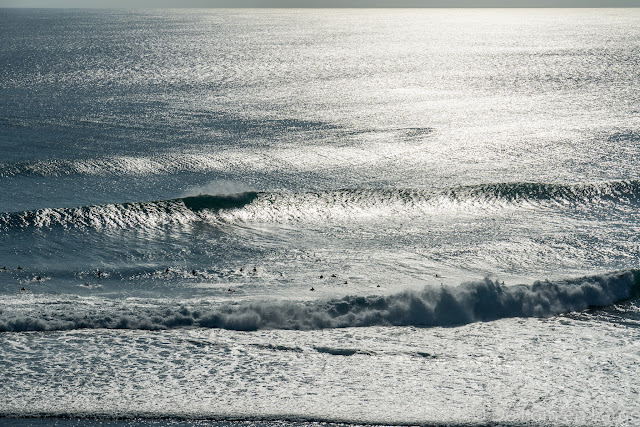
483, 300
617, 191
344, 204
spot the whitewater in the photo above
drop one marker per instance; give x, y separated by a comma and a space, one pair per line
284, 217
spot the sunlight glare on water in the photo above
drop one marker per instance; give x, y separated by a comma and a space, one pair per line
288, 216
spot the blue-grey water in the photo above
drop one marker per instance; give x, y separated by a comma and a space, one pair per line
252, 217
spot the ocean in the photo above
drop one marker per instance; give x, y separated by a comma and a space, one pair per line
283, 217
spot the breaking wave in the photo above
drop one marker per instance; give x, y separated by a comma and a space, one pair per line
337, 204
484, 300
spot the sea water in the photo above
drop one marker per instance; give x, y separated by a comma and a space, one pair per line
213, 217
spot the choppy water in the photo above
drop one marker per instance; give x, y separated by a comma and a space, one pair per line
359, 216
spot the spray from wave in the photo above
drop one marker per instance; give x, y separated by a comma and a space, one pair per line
484, 300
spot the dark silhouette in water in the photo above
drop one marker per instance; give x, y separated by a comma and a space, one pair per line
23, 289
20, 268
193, 272
312, 289
4, 268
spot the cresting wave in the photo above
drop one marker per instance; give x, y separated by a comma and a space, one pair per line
337, 204
484, 300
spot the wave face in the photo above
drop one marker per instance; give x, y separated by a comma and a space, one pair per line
227, 201
469, 302
339, 204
